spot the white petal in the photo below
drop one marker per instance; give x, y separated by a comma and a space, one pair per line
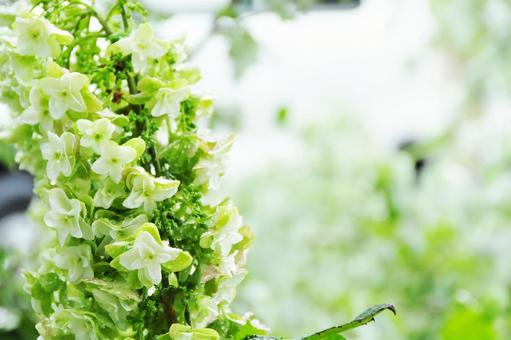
144, 32
102, 201
145, 239
84, 126
75, 81
65, 167
134, 200
62, 235
158, 109
100, 166
126, 154
74, 274
167, 254
131, 259
59, 201
139, 62
74, 229
57, 108
30, 116
154, 272
47, 150
116, 174
52, 171
76, 102
52, 219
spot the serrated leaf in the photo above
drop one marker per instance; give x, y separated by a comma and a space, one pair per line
362, 319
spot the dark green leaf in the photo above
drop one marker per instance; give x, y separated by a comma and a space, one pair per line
362, 319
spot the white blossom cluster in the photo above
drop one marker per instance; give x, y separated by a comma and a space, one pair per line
100, 192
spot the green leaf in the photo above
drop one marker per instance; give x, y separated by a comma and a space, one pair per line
364, 318
334, 337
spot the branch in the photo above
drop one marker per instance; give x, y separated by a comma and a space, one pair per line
93, 11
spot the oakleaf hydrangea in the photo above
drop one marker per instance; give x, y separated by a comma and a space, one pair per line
104, 114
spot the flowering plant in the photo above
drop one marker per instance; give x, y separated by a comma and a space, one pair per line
104, 117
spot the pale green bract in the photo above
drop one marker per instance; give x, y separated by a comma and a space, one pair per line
107, 121
183, 332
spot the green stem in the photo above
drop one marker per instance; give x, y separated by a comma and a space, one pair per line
93, 11
111, 12
125, 16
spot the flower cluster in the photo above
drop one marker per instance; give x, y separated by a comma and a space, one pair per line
104, 116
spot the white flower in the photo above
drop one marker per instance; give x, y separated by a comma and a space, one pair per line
59, 153
168, 101
95, 133
204, 311
227, 288
210, 169
77, 261
38, 37
225, 231
76, 322
147, 255
65, 217
143, 47
37, 112
113, 160
146, 190
105, 195
228, 235
65, 93
82, 328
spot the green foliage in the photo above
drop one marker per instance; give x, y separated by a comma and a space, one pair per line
364, 226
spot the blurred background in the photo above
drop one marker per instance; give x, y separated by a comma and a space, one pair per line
373, 161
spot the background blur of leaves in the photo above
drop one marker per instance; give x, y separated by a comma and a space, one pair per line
426, 227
